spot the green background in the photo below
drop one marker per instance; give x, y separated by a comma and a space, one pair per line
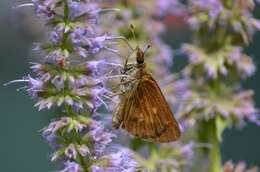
21, 146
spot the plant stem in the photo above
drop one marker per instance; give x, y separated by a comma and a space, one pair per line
214, 154
66, 11
207, 134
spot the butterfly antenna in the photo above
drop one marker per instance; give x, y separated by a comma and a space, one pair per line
133, 49
147, 48
123, 39
133, 33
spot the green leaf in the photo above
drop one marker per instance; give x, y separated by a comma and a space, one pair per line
137, 144
221, 124
244, 36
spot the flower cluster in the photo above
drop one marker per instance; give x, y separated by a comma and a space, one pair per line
91, 136
234, 15
240, 167
84, 146
215, 99
220, 61
217, 62
231, 105
52, 80
73, 30
76, 85
175, 157
165, 7
120, 161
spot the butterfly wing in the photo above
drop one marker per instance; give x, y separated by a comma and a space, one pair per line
147, 114
119, 112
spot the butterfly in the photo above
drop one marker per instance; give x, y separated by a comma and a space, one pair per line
143, 110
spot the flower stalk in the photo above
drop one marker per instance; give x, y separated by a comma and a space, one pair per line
207, 134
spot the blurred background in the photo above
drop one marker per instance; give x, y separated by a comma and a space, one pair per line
21, 146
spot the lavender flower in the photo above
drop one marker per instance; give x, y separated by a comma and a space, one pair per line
240, 167
70, 152
215, 99
101, 139
71, 167
93, 134
74, 31
120, 161
224, 61
168, 6
46, 8
215, 14
235, 107
176, 157
217, 63
80, 8
81, 82
82, 37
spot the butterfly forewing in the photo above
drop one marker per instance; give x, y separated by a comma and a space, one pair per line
146, 114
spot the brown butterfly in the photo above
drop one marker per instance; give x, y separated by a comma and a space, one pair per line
143, 110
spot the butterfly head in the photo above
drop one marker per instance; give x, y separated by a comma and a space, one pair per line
140, 55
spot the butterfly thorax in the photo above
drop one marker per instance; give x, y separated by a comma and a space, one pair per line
140, 64
140, 70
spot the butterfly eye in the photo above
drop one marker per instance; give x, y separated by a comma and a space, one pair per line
140, 60
140, 57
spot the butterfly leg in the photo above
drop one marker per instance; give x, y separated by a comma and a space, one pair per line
121, 92
117, 117
127, 81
